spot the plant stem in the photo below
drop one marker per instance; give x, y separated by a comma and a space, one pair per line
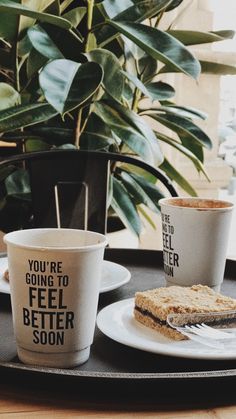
89, 22
78, 128
136, 98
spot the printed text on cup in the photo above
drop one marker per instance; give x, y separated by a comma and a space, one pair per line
47, 312
170, 257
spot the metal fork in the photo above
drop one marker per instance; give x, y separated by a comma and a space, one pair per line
209, 332
192, 335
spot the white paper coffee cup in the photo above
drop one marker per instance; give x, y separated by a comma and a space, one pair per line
195, 236
54, 282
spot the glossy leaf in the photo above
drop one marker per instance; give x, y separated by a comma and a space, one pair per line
174, 174
43, 43
17, 184
144, 128
24, 46
127, 11
93, 140
65, 4
194, 147
19, 9
184, 150
69, 44
97, 135
183, 126
32, 145
75, 15
142, 10
67, 84
160, 91
148, 68
6, 171
132, 130
9, 24
124, 207
113, 80
9, 96
126, 133
25, 115
209, 67
186, 112
196, 37
161, 46
53, 135
138, 83
143, 191
173, 5
45, 6
113, 8
147, 217
35, 62
5, 58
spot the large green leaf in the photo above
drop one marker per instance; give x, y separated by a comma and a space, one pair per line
25, 115
143, 191
32, 145
6, 171
67, 84
9, 24
137, 83
54, 135
45, 6
144, 128
217, 68
113, 79
160, 91
161, 46
5, 58
180, 147
35, 62
194, 147
185, 111
19, 9
124, 207
113, 8
68, 42
173, 5
132, 130
126, 11
97, 135
9, 96
17, 184
174, 175
126, 133
43, 43
196, 37
75, 15
148, 68
183, 126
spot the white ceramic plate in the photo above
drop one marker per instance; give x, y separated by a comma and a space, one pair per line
113, 276
117, 322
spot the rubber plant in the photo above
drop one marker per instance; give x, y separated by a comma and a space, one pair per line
76, 73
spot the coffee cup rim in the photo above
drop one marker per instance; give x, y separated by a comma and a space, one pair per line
10, 238
178, 202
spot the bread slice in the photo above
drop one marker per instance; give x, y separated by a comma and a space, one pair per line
153, 306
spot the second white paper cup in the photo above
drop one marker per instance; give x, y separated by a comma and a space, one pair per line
54, 282
195, 237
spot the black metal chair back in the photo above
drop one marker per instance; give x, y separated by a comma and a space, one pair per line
70, 187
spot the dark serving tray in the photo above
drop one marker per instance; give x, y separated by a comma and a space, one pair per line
115, 367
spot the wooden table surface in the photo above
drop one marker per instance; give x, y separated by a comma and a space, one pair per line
18, 402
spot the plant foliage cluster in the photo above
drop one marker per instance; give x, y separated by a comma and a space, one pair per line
76, 73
